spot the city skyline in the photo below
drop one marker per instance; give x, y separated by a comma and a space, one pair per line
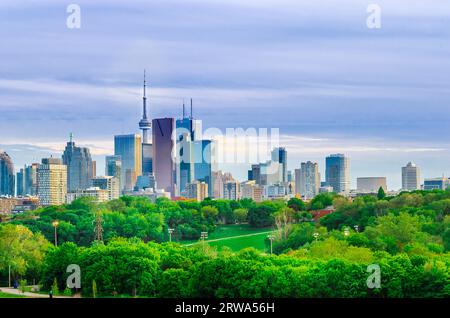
269, 69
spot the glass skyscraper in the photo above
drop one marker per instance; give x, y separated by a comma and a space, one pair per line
7, 178
79, 166
163, 153
129, 148
337, 173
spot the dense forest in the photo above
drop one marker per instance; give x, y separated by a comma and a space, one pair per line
122, 247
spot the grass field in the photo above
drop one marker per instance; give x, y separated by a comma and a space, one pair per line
237, 237
5, 295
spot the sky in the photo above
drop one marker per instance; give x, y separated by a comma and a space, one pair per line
312, 69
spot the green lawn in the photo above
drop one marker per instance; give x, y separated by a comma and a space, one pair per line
229, 236
5, 295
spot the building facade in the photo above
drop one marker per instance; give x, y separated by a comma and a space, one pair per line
108, 183
371, 184
52, 182
337, 173
79, 166
410, 177
7, 178
308, 183
129, 148
197, 190
163, 153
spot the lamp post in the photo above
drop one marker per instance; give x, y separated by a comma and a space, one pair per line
170, 234
271, 239
356, 228
55, 225
203, 237
346, 232
9, 276
316, 235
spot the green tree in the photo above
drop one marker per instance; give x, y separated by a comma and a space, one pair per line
381, 194
240, 215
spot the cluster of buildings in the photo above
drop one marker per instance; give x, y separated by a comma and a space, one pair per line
178, 163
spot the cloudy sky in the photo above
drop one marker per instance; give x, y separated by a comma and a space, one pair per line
310, 68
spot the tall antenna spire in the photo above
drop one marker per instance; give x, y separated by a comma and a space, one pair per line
184, 110
191, 110
70, 137
144, 123
144, 99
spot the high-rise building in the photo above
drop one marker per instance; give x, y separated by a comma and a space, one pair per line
337, 173
250, 190
79, 166
217, 184
20, 182
279, 155
267, 173
371, 184
231, 190
308, 182
108, 183
185, 165
52, 182
129, 148
197, 190
203, 167
410, 177
7, 178
163, 153
145, 124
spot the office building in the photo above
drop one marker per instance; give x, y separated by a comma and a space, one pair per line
52, 182
146, 181
250, 190
129, 148
371, 184
436, 184
197, 190
79, 166
337, 173
108, 183
163, 153
307, 181
99, 195
410, 177
279, 155
7, 178
231, 190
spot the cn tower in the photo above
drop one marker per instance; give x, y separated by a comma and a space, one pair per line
144, 123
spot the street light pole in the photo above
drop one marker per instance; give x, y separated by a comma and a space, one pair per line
271, 239
55, 225
9, 276
170, 234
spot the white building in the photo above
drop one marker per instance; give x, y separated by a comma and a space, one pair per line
410, 177
100, 195
308, 182
52, 182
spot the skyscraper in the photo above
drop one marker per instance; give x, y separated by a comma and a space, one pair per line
7, 178
129, 148
79, 166
280, 155
20, 182
337, 173
145, 124
52, 182
410, 177
113, 168
309, 180
203, 167
163, 153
